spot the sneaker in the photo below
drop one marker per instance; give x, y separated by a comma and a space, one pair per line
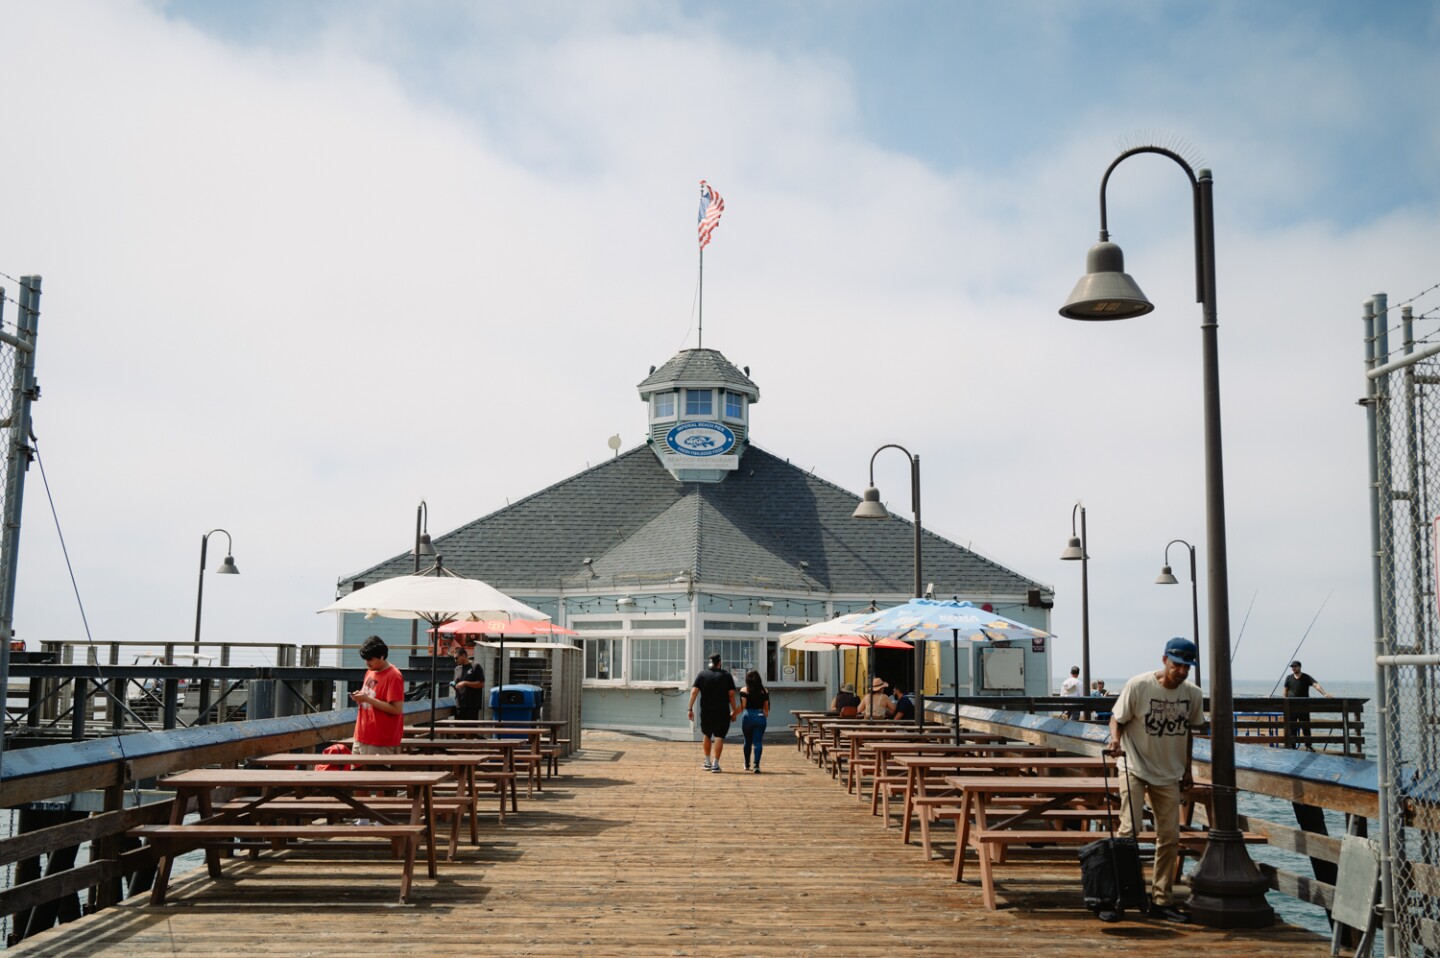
1105, 914
747, 766
757, 769
715, 767
707, 765
1169, 913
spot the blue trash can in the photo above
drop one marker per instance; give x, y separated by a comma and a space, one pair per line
517, 703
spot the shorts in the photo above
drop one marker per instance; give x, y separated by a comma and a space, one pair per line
360, 748
715, 726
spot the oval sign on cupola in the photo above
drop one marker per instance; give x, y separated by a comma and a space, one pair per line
700, 439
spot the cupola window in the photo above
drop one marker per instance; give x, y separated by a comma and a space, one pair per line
664, 405
699, 402
734, 405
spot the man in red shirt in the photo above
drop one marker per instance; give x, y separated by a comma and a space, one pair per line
381, 719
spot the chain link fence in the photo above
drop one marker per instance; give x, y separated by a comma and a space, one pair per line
1403, 399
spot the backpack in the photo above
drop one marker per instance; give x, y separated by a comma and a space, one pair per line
339, 748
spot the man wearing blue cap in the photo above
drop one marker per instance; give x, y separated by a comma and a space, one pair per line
1154, 717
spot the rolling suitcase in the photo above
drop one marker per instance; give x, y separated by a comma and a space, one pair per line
1111, 875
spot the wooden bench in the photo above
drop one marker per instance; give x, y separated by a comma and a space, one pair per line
991, 845
172, 840
452, 807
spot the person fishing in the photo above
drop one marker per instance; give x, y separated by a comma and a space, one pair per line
1297, 686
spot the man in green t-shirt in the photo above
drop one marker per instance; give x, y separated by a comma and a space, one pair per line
1155, 715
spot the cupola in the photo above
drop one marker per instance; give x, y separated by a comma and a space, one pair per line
699, 414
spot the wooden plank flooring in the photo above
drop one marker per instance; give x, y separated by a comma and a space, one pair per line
637, 851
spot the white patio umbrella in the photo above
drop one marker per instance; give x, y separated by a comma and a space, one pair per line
436, 599
805, 639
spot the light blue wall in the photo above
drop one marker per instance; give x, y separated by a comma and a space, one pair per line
647, 708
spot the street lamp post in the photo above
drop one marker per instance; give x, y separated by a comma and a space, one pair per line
422, 548
1228, 891
1166, 577
226, 568
871, 508
1079, 548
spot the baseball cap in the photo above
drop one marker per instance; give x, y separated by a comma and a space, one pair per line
1181, 651
1295, 664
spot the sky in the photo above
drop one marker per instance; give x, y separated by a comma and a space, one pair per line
307, 264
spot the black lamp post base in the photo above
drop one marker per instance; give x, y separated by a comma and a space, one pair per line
1226, 889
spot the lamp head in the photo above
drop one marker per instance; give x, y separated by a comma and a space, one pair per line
870, 506
423, 546
625, 602
228, 567
1073, 550
1106, 291
1166, 577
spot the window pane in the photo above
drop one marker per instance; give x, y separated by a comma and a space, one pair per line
698, 402
664, 404
723, 626
734, 405
600, 658
657, 660
596, 625
737, 655
658, 624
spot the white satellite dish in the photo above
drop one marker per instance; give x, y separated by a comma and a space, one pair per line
614, 443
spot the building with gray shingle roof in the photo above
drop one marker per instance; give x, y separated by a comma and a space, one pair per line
656, 562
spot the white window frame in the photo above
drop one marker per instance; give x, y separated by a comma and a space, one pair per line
637, 642
616, 636
699, 415
674, 405
725, 395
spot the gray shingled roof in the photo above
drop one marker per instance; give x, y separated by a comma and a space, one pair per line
698, 367
642, 527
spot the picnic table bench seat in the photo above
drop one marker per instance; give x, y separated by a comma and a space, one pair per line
172, 840
310, 808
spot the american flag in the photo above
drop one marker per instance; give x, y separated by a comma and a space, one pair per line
711, 206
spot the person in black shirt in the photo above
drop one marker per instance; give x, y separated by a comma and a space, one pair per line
469, 684
757, 713
1297, 686
904, 704
716, 689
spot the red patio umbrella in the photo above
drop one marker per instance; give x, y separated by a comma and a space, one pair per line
500, 628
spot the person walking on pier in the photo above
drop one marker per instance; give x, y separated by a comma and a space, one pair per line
716, 688
1297, 686
1152, 725
756, 706
469, 683
380, 721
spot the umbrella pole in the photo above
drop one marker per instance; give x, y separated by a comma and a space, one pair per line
434, 647
955, 668
500, 698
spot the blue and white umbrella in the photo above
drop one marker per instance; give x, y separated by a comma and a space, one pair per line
935, 620
924, 620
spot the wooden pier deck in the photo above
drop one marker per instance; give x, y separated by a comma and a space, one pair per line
635, 850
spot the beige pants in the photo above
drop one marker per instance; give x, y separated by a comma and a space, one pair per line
1165, 806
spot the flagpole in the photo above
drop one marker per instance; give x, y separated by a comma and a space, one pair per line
700, 336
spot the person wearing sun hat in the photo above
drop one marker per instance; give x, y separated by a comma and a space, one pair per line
1153, 723
878, 703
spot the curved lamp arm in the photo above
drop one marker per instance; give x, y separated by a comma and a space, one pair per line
1195, 200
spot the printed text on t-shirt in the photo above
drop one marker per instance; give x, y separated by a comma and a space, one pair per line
1165, 718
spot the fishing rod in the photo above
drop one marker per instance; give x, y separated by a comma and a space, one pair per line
1302, 642
1236, 647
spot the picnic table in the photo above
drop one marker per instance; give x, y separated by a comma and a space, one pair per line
462, 767
887, 780
1040, 795
920, 770
501, 750
857, 738
243, 821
